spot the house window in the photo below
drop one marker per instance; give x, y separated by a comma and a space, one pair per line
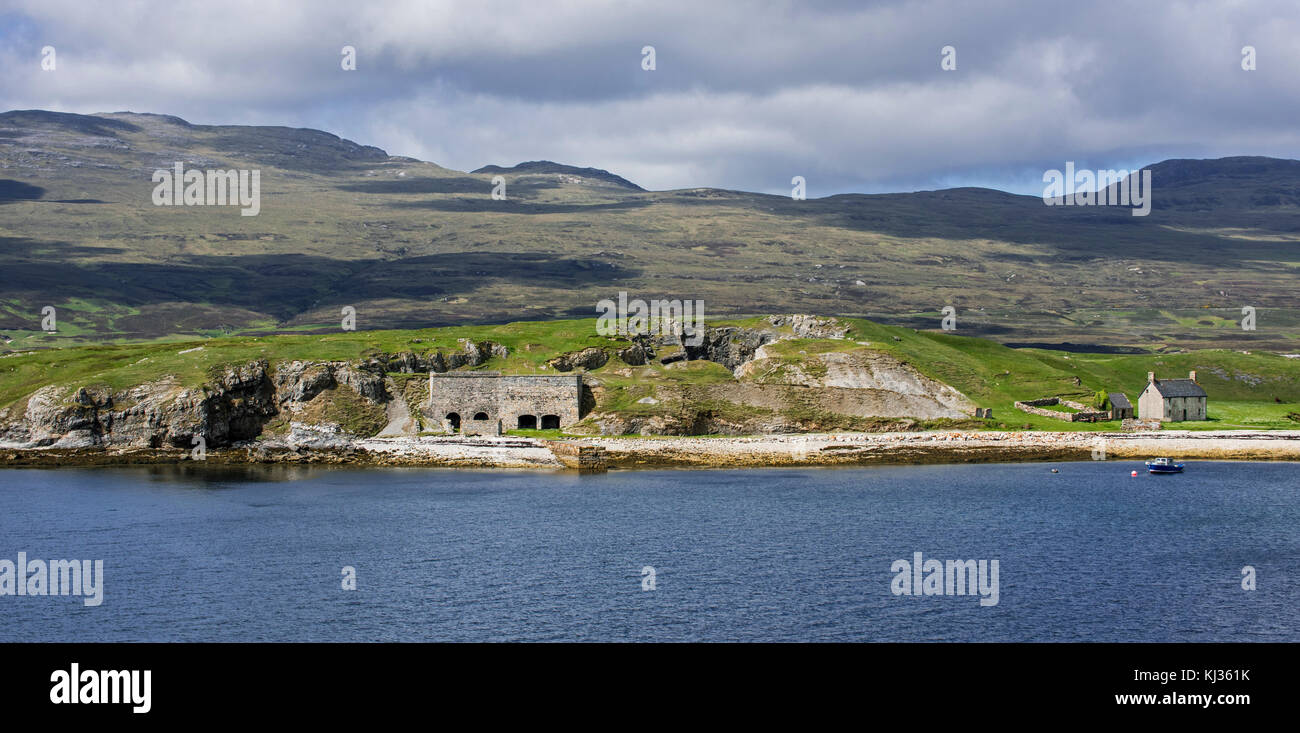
528, 422
480, 416
550, 422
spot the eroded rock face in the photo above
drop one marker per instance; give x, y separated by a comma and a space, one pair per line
732, 346
474, 353
589, 358
639, 353
409, 362
729, 346
302, 437
856, 390
300, 381
811, 327
366, 380
864, 370
50, 419
232, 406
236, 404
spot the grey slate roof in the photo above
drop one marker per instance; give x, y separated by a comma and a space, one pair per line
1119, 401
1179, 388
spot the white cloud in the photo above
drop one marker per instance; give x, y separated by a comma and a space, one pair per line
849, 96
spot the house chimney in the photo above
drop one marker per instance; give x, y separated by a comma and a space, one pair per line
1192, 375
1151, 377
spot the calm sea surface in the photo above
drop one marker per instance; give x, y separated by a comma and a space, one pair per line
1087, 554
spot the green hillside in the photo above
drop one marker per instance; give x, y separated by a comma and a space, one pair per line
410, 244
1255, 390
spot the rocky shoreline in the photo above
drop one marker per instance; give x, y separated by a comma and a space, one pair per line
839, 449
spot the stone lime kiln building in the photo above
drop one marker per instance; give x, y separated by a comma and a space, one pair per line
488, 403
1172, 399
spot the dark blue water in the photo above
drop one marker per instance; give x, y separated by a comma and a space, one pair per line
256, 554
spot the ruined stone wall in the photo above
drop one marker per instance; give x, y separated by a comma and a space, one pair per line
503, 399
1033, 407
1086, 414
585, 458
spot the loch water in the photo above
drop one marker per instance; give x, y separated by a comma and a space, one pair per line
1090, 553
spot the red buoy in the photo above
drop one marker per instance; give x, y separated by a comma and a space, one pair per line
1134, 474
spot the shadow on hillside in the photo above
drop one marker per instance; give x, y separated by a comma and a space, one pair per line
1063, 233
284, 285
11, 190
48, 250
514, 206
455, 184
44, 121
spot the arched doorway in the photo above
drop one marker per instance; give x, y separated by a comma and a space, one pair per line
454, 419
550, 422
528, 422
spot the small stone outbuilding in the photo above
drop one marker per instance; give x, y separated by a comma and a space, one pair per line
1120, 407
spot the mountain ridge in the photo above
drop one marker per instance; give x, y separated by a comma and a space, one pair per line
1173, 171
546, 166
409, 244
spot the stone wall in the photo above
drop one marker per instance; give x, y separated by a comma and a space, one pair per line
1034, 407
502, 400
1084, 414
585, 458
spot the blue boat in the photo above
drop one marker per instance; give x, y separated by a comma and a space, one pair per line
1164, 465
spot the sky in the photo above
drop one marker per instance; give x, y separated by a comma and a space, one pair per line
744, 95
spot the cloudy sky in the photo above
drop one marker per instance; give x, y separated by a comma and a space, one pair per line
745, 94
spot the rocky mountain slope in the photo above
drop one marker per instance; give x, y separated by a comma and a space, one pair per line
409, 244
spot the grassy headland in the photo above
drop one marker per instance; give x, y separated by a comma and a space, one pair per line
1255, 390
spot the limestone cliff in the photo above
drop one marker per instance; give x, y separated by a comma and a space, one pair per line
834, 391
859, 389
774, 386
236, 403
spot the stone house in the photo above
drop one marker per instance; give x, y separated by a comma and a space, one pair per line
1172, 400
1120, 407
488, 403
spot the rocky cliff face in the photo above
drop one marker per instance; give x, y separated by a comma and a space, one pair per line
234, 405
913, 394
733, 347
837, 391
854, 389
